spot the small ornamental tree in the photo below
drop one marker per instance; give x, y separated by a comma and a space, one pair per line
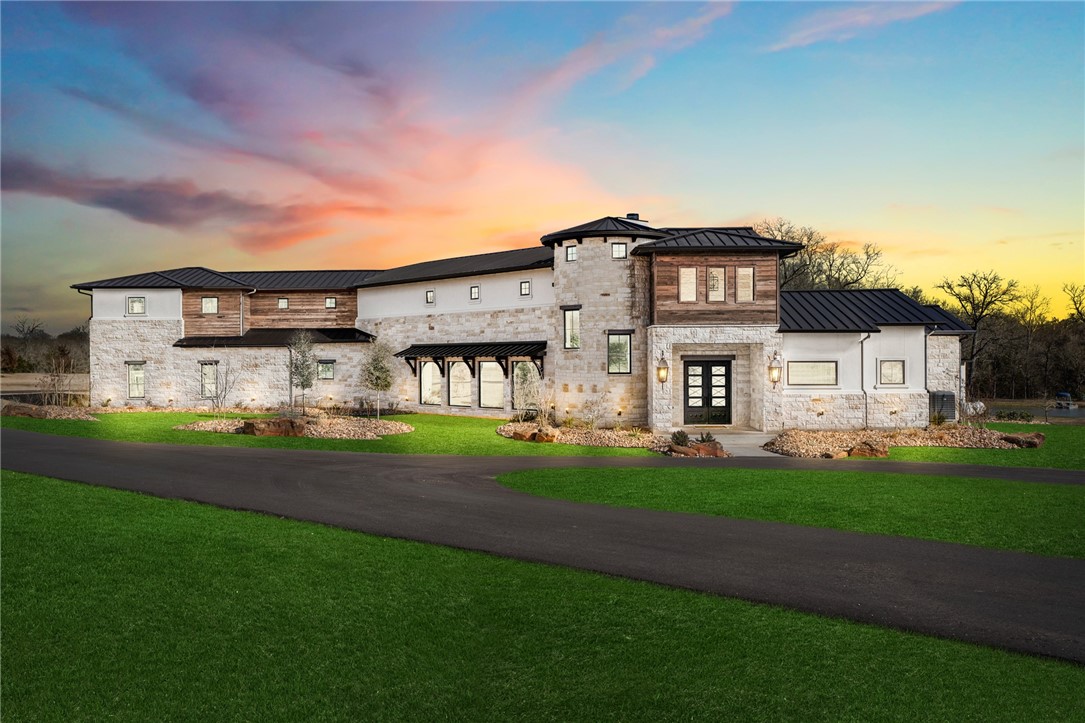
303, 367
377, 371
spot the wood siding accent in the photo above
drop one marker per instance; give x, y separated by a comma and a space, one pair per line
227, 322
668, 310
306, 310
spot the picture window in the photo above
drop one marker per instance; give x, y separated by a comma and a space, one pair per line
619, 353
811, 373
891, 371
459, 385
491, 385
429, 383
209, 305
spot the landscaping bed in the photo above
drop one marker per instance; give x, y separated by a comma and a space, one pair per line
798, 443
9, 408
319, 427
627, 438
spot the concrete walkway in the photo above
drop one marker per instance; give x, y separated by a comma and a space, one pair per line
1011, 600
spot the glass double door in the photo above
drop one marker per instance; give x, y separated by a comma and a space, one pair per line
707, 392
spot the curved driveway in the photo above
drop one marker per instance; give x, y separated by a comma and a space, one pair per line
1012, 600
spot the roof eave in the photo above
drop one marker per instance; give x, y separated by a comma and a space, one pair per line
440, 277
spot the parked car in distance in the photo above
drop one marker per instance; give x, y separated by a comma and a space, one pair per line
1063, 401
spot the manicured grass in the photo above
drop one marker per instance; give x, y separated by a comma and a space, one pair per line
433, 434
1038, 518
1064, 448
125, 607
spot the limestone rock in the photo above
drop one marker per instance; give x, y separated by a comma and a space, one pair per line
1025, 439
274, 427
867, 449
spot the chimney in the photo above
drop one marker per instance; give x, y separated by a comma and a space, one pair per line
633, 216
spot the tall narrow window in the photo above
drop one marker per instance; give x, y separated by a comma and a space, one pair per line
526, 385
209, 379
491, 385
329, 302
209, 305
459, 385
570, 253
717, 284
619, 353
572, 328
325, 369
744, 284
284, 303
137, 305
525, 288
431, 297
136, 389
687, 284
429, 381
618, 251
476, 292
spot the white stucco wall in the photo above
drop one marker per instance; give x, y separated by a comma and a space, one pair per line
497, 291
113, 304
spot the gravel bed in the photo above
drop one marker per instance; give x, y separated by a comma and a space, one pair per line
53, 412
797, 443
322, 428
593, 437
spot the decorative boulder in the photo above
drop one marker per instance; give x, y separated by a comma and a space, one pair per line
678, 450
546, 435
834, 454
866, 449
1025, 439
282, 427
15, 409
520, 436
708, 449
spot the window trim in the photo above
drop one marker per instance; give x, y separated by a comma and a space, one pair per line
836, 373
753, 285
330, 363
474, 293
903, 373
203, 304
142, 365
451, 366
628, 351
431, 297
565, 329
481, 367
524, 295
572, 253
128, 306
696, 284
723, 284
334, 302
283, 302
203, 381
619, 245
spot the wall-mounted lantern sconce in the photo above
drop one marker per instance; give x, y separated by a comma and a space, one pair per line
776, 369
663, 370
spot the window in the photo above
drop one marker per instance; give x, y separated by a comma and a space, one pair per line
325, 369
429, 383
618, 251
431, 297
137, 304
571, 252
491, 385
744, 284
476, 292
329, 302
572, 328
811, 373
135, 380
284, 303
459, 385
209, 379
717, 284
209, 305
891, 371
525, 288
687, 284
619, 353
526, 385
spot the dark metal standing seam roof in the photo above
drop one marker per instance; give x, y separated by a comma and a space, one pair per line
856, 310
186, 277
532, 349
718, 238
535, 257
295, 280
949, 323
606, 226
277, 337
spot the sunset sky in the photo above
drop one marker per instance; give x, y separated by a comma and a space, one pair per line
144, 136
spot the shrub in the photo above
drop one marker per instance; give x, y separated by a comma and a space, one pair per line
706, 437
679, 438
938, 419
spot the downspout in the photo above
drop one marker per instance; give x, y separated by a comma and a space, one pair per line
862, 381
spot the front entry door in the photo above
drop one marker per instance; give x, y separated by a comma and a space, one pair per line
708, 392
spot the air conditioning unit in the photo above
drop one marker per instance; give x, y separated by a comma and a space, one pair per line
944, 404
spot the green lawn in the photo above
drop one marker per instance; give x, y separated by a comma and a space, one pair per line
1037, 518
433, 434
126, 607
1064, 449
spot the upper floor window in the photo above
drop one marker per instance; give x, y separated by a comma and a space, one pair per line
619, 353
525, 288
476, 292
431, 296
329, 302
209, 305
619, 251
325, 369
572, 328
137, 304
717, 284
284, 303
570, 253
687, 284
744, 284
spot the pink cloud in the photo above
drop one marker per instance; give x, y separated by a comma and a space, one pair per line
848, 21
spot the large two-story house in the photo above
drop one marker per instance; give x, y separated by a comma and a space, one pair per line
612, 319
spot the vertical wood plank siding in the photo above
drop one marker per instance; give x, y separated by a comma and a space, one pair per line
762, 310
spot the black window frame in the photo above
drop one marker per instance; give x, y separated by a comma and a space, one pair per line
283, 302
321, 363
565, 328
128, 306
431, 297
619, 245
475, 292
334, 302
628, 351
482, 365
526, 282
572, 253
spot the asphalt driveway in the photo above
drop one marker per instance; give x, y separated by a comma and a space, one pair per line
1017, 601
